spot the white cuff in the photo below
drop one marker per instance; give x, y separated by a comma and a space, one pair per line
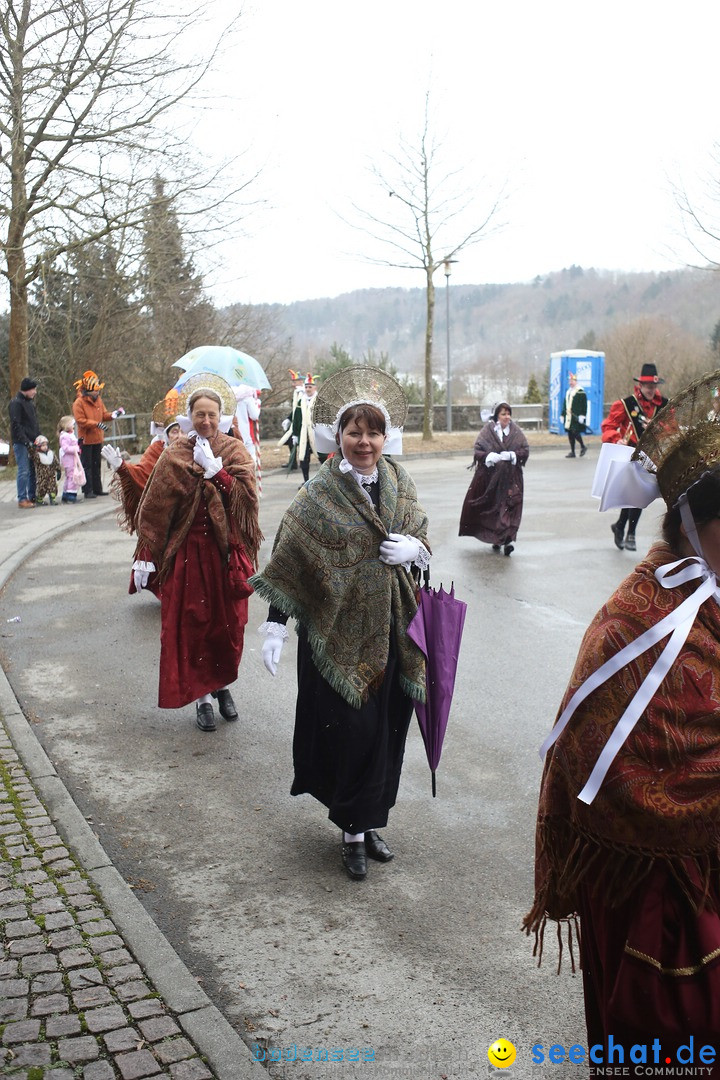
423, 557
139, 564
274, 629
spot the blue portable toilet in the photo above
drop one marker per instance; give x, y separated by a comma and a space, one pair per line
589, 367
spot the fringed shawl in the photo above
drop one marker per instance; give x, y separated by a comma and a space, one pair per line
128, 484
172, 496
661, 797
325, 572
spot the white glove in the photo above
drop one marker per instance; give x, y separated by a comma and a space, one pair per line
117, 412
141, 573
581, 419
271, 651
295, 440
398, 549
285, 424
112, 455
509, 455
204, 457
492, 459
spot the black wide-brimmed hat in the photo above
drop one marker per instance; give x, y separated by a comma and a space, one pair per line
649, 374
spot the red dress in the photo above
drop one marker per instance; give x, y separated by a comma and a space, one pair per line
201, 639
204, 594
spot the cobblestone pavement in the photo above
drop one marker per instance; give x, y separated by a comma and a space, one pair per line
73, 1001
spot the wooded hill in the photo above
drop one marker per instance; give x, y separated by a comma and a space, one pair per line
507, 328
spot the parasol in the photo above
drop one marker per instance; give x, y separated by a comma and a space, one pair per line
230, 364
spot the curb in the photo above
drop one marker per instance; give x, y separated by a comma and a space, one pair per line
215, 1039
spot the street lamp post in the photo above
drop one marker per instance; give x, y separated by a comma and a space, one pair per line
448, 381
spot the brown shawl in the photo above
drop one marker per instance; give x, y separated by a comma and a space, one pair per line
172, 496
661, 797
129, 481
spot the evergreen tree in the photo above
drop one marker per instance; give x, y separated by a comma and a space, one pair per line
179, 316
83, 313
532, 394
715, 339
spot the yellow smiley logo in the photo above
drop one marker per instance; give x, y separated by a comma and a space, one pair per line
501, 1053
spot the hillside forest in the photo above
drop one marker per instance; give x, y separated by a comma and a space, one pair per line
90, 310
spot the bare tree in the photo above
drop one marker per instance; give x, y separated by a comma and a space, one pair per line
427, 216
86, 88
679, 355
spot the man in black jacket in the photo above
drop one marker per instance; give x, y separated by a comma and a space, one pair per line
24, 430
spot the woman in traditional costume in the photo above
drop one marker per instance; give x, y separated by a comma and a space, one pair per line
198, 537
493, 505
342, 568
628, 831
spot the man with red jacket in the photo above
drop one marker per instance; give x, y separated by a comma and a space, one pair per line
91, 416
625, 423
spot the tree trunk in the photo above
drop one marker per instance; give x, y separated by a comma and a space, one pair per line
429, 327
18, 331
17, 221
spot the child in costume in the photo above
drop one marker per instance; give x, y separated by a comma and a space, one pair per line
69, 459
45, 465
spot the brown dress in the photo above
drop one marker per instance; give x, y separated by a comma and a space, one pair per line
493, 505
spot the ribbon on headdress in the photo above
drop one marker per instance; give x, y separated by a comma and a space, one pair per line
325, 442
677, 624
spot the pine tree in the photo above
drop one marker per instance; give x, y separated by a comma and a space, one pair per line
179, 316
532, 394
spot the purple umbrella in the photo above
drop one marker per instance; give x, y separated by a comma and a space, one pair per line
437, 630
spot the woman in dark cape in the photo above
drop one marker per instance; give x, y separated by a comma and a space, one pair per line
493, 505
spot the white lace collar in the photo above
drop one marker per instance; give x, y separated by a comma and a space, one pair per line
363, 479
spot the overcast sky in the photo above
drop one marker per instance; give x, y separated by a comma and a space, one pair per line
587, 113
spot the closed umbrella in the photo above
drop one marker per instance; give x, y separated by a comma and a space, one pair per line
437, 629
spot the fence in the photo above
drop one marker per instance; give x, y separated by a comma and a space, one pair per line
464, 418
123, 430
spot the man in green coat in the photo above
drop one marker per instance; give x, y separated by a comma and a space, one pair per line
574, 412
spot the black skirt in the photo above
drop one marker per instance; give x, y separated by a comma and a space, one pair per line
349, 759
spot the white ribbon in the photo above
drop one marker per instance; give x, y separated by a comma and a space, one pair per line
677, 624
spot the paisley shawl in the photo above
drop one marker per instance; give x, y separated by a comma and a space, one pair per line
325, 573
661, 797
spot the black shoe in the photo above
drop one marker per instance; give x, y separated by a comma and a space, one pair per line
354, 860
630, 542
583, 452
100, 494
496, 547
508, 549
205, 717
376, 848
617, 531
571, 454
226, 704
91, 495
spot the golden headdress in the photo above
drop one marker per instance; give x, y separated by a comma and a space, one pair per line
360, 385
205, 381
681, 443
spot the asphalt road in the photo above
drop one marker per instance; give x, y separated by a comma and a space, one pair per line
423, 963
